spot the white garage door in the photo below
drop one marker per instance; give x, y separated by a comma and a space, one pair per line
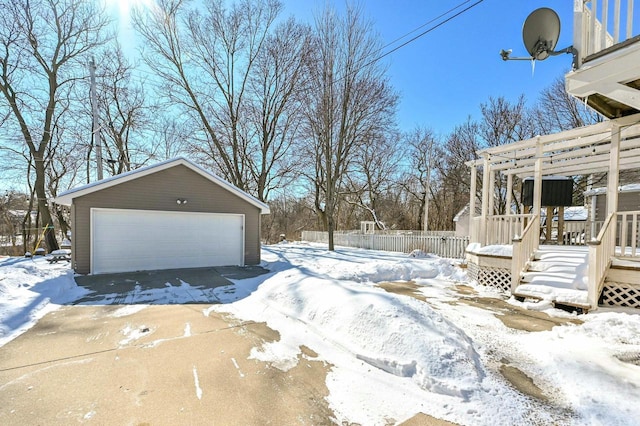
139, 240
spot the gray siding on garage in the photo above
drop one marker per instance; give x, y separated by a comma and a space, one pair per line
159, 191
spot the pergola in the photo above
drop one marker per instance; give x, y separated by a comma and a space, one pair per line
609, 147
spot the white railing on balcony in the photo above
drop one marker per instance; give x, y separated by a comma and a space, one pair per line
601, 249
627, 240
504, 228
524, 247
599, 24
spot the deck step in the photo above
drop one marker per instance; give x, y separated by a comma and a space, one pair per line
540, 266
560, 304
556, 275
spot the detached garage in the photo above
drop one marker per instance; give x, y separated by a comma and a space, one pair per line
170, 215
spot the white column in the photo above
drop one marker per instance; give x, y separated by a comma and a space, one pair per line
472, 203
492, 192
537, 184
578, 42
486, 174
509, 193
613, 179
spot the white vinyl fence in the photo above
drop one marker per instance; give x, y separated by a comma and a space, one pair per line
440, 243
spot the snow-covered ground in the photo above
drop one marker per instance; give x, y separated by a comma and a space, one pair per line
393, 356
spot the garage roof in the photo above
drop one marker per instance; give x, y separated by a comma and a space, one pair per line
66, 198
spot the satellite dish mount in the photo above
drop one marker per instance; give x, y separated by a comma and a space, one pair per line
540, 34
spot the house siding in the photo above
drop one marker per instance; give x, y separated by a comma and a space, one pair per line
627, 201
159, 191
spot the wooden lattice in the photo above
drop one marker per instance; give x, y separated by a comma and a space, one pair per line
499, 278
620, 294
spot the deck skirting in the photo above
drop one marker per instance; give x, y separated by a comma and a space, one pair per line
490, 271
620, 294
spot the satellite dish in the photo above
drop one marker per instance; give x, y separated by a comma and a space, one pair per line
540, 33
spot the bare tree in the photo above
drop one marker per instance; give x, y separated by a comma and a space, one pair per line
376, 169
502, 123
170, 139
274, 109
421, 143
123, 110
453, 174
556, 110
222, 66
349, 101
43, 43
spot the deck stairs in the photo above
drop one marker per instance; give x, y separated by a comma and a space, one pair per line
557, 274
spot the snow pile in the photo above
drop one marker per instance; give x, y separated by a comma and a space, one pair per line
402, 337
29, 289
328, 302
492, 250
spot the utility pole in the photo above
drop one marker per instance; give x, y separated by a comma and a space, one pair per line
427, 190
97, 140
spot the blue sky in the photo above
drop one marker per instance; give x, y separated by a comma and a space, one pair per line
444, 76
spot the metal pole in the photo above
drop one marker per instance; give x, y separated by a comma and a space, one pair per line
97, 140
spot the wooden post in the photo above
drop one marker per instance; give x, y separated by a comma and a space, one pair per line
486, 173
537, 185
492, 192
509, 200
472, 202
561, 225
613, 179
578, 42
548, 225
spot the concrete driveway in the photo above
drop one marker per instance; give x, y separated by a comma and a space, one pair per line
170, 286
158, 363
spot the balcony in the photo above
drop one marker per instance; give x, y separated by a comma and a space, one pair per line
607, 77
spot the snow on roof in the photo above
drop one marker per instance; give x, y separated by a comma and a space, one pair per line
66, 198
634, 187
576, 213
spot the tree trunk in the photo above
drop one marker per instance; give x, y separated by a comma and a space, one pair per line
43, 206
330, 228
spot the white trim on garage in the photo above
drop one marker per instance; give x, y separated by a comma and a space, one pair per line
125, 240
66, 198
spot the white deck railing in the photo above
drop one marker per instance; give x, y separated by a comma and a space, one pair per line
443, 245
503, 229
601, 249
599, 24
573, 234
523, 249
628, 238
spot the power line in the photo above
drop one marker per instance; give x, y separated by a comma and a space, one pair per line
424, 25
427, 31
